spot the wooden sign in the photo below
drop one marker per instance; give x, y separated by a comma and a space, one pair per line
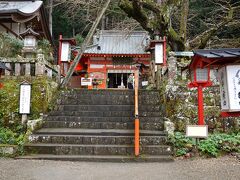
25, 98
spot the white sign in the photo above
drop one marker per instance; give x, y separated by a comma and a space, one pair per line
229, 78
86, 81
25, 99
184, 53
158, 53
144, 83
65, 53
197, 131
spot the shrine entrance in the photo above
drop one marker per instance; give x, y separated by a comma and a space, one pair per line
117, 80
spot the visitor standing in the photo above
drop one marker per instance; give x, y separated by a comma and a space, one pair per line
130, 81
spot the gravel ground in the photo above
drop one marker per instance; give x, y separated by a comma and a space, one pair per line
224, 168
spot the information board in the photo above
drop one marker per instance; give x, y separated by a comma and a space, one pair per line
197, 131
65, 53
229, 78
159, 54
86, 81
25, 99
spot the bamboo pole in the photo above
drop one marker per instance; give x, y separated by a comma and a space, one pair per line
84, 46
137, 122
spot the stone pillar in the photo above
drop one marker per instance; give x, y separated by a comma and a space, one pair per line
172, 69
17, 69
58, 78
40, 69
27, 69
7, 72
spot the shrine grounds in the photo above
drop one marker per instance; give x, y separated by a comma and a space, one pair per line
223, 168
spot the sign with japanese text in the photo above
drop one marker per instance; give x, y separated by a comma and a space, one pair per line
86, 81
229, 78
25, 98
159, 53
65, 52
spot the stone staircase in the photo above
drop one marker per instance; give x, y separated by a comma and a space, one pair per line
98, 125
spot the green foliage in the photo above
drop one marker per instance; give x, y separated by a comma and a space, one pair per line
46, 48
9, 96
79, 39
181, 143
10, 46
213, 146
43, 90
13, 137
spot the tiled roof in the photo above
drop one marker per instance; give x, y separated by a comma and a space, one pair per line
218, 53
119, 42
21, 7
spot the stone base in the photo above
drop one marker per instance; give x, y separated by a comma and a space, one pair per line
8, 149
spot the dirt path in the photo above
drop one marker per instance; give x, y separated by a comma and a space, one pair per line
225, 168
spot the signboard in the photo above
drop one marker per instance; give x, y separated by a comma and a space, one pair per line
197, 131
184, 53
86, 81
229, 78
65, 53
159, 53
25, 98
144, 83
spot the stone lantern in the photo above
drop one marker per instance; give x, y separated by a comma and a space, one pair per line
30, 42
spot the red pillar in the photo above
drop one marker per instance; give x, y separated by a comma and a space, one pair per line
200, 106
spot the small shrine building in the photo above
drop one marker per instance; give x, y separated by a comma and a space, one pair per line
111, 58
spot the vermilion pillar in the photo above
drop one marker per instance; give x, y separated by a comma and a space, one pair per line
200, 106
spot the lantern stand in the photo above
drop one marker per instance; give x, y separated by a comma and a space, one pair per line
200, 78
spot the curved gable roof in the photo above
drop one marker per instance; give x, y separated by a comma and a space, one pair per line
22, 7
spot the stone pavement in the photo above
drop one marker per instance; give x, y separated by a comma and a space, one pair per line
224, 168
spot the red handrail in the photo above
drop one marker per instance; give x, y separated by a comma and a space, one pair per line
137, 122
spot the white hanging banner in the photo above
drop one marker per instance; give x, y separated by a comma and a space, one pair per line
25, 98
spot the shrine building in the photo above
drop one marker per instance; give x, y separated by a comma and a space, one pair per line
111, 58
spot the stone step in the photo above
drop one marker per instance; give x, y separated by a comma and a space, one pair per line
102, 125
102, 119
108, 101
103, 113
145, 108
108, 92
99, 158
93, 139
98, 132
79, 149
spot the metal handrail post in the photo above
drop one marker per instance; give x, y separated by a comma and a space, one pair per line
137, 122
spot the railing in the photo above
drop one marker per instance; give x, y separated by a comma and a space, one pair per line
137, 122
30, 67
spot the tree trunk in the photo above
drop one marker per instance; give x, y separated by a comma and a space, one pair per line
50, 4
184, 18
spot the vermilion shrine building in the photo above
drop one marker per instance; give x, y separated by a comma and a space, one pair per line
110, 59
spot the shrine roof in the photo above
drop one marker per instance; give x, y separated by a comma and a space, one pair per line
215, 57
119, 42
218, 53
21, 7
